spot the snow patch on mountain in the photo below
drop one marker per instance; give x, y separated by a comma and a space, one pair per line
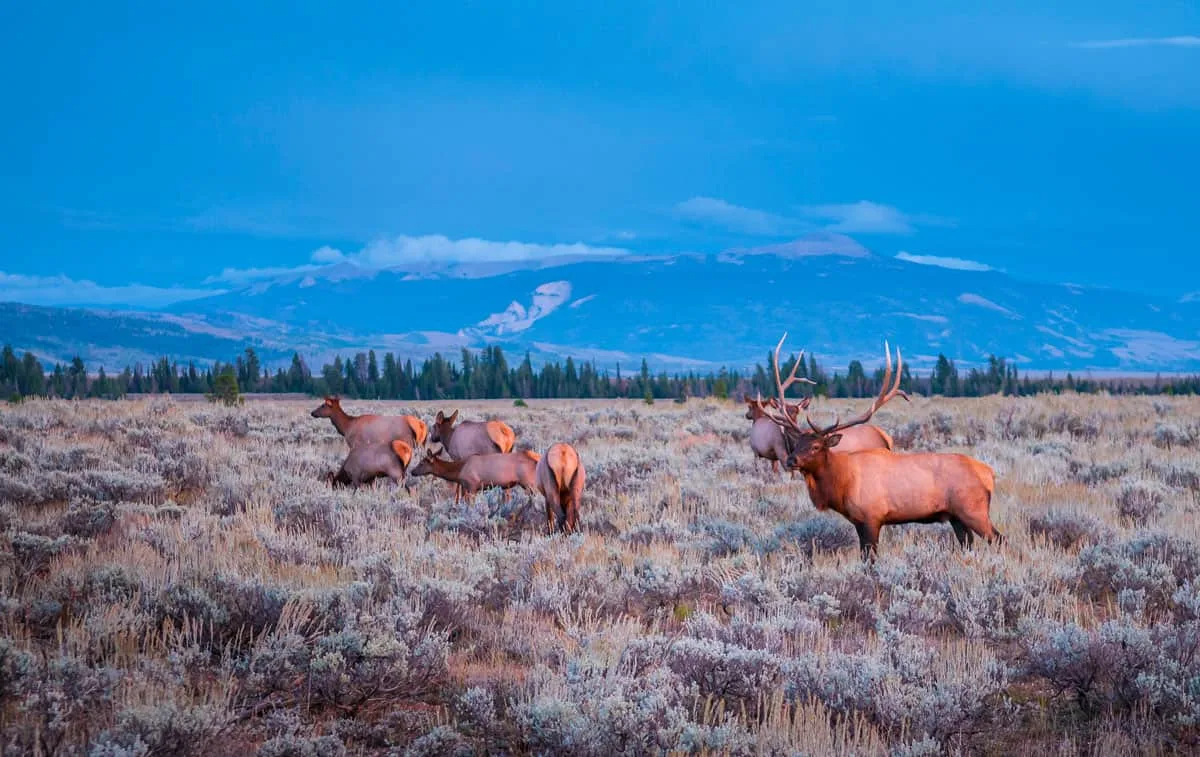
973, 299
1151, 347
517, 318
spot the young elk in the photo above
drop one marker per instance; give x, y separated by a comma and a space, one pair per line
470, 437
477, 472
560, 477
370, 429
368, 462
877, 487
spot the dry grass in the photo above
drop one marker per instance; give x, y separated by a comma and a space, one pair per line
177, 579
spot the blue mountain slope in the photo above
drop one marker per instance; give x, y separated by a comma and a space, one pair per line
679, 312
727, 310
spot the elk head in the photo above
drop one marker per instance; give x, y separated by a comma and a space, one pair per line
442, 426
329, 408
755, 408
809, 443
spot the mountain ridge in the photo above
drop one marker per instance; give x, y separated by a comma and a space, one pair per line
839, 300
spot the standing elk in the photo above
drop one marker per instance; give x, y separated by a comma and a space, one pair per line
470, 437
878, 487
371, 429
560, 477
368, 462
478, 472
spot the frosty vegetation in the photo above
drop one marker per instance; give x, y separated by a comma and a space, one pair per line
177, 578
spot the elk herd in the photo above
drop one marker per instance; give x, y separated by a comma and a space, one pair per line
851, 467
471, 456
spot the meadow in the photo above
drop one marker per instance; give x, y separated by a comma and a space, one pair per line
177, 578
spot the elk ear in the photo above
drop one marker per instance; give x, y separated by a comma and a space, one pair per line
453, 416
832, 441
440, 417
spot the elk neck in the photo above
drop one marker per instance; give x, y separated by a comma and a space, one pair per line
449, 469
827, 479
342, 420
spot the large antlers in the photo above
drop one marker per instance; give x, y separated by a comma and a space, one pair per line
791, 413
885, 394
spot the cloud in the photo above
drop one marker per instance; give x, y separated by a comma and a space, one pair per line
1109, 44
435, 248
62, 290
327, 254
958, 264
715, 212
432, 249
246, 275
861, 217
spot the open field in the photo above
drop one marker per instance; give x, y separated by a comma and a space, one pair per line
177, 579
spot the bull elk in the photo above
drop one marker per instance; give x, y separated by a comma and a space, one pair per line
470, 437
372, 429
560, 477
478, 472
877, 487
368, 462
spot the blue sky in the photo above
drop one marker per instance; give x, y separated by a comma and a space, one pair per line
153, 155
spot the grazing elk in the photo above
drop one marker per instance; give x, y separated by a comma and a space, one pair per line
470, 437
477, 472
368, 462
878, 487
560, 477
369, 429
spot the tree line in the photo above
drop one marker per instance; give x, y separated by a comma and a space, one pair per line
487, 374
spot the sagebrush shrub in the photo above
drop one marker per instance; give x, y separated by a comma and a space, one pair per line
1064, 528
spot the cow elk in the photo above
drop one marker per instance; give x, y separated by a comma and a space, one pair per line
477, 472
372, 429
368, 462
766, 438
470, 437
878, 487
560, 477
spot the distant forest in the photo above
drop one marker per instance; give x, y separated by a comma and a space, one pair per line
487, 374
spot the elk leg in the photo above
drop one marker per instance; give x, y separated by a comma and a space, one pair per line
981, 525
572, 521
552, 505
868, 540
966, 538
774, 466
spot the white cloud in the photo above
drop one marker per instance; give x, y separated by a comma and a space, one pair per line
958, 264
432, 249
435, 248
1108, 44
710, 210
246, 275
863, 216
327, 254
61, 290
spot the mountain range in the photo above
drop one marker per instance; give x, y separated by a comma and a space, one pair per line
837, 300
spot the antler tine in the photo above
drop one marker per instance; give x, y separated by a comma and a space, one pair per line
886, 393
792, 378
781, 387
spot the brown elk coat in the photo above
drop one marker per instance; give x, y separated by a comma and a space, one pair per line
371, 429
368, 462
470, 437
503, 469
561, 477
